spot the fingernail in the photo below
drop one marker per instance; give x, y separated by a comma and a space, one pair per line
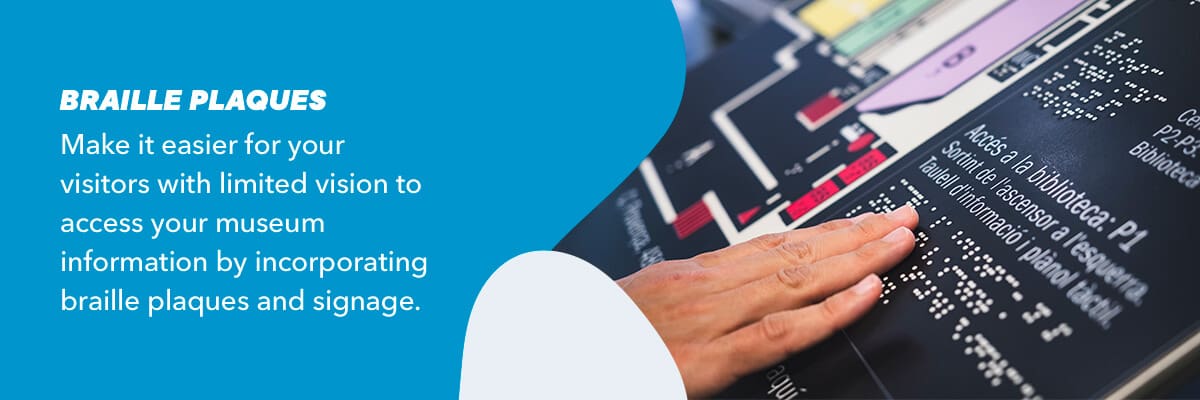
898, 235
866, 285
860, 217
902, 213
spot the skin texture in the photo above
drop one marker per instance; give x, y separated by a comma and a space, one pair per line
744, 308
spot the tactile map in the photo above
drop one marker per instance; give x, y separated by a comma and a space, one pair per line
1050, 147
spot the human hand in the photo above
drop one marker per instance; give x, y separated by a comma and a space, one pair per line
737, 310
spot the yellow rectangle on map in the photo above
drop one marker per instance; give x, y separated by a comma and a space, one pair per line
830, 18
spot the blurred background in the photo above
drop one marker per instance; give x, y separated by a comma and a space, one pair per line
710, 24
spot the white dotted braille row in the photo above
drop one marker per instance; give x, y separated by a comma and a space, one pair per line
995, 367
881, 204
943, 220
940, 305
884, 202
927, 256
916, 194
956, 279
1088, 78
1062, 330
889, 286
1040, 310
974, 296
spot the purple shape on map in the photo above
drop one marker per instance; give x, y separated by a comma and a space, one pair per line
964, 57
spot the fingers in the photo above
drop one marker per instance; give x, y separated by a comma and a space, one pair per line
870, 228
795, 286
729, 256
778, 335
730, 312
794, 253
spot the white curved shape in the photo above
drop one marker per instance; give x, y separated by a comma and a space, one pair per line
548, 325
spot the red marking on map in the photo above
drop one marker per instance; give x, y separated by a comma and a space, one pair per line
861, 166
812, 199
745, 216
861, 143
819, 108
692, 219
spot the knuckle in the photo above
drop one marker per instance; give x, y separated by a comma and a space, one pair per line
829, 313
866, 227
768, 241
836, 225
798, 252
692, 264
660, 266
691, 310
683, 277
795, 277
678, 276
774, 327
708, 258
877, 225
869, 252
701, 276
